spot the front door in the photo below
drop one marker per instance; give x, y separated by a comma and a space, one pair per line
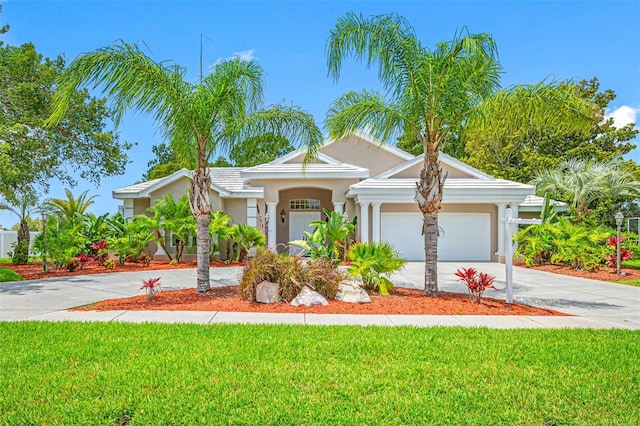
298, 224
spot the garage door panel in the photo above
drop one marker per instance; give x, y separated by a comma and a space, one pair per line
464, 236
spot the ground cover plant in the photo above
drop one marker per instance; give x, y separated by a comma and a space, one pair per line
110, 373
7, 274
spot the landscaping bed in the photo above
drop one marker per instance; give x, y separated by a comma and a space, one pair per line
403, 301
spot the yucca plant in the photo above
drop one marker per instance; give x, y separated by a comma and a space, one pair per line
373, 263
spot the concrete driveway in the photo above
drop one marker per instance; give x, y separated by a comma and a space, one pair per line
595, 303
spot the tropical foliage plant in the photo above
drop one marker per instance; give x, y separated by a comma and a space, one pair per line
373, 263
476, 282
151, 286
22, 206
329, 238
246, 237
434, 94
196, 119
626, 253
563, 242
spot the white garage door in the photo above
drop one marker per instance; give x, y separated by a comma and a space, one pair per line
465, 236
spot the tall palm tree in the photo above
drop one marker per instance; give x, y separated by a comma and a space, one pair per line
430, 93
583, 182
196, 119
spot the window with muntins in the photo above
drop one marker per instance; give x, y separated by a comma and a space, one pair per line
304, 204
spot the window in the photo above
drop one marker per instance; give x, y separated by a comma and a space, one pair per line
304, 204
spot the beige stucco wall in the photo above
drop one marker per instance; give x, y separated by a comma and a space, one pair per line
237, 209
273, 188
140, 206
414, 172
355, 151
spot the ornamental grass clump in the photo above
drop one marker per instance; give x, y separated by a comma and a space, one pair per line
476, 282
291, 273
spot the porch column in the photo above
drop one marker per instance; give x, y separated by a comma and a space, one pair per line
271, 226
364, 222
338, 206
502, 211
375, 222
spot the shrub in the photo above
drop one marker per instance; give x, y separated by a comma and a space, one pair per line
476, 282
373, 263
144, 259
109, 264
291, 273
72, 264
150, 286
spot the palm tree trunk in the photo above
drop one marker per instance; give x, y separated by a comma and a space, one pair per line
429, 198
201, 208
21, 251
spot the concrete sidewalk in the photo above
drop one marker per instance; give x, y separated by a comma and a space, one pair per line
595, 304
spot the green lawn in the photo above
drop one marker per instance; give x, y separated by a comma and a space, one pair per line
116, 374
7, 274
632, 263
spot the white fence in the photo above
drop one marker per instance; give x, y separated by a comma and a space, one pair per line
8, 238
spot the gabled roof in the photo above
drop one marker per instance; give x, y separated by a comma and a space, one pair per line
456, 190
310, 171
225, 180
360, 134
444, 159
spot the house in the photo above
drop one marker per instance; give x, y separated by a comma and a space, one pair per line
356, 176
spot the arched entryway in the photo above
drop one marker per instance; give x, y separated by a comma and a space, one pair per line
296, 208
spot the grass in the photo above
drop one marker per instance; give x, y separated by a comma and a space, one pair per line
634, 282
632, 263
116, 374
7, 274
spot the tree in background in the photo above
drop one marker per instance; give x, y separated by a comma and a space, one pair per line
510, 149
32, 154
432, 93
249, 152
197, 120
21, 207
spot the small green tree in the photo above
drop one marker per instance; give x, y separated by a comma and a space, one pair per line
373, 263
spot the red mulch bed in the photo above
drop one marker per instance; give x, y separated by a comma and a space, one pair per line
33, 271
604, 274
403, 301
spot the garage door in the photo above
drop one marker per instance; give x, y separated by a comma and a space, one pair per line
465, 236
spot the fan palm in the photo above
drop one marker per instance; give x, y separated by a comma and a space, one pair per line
430, 93
197, 119
582, 182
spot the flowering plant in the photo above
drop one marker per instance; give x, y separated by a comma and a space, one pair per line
476, 282
151, 286
625, 254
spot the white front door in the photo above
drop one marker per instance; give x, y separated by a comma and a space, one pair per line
298, 224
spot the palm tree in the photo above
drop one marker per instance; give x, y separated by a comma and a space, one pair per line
71, 207
196, 119
582, 183
22, 208
430, 93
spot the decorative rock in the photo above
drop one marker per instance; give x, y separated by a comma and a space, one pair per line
352, 293
267, 292
309, 297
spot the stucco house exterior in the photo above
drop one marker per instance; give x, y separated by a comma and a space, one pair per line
360, 177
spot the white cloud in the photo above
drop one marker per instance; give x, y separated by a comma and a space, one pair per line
245, 55
624, 115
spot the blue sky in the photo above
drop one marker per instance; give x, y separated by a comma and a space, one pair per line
536, 41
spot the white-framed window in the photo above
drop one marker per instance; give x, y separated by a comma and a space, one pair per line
304, 204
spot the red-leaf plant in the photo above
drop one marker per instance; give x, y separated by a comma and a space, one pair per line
151, 286
625, 254
101, 249
476, 282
